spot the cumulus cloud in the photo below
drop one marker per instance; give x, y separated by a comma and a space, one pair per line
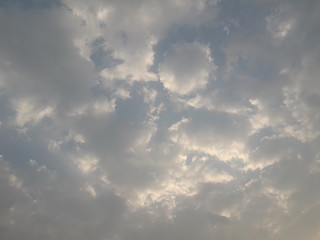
187, 68
193, 119
216, 133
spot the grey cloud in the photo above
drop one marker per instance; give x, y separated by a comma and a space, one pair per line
43, 64
98, 143
50, 207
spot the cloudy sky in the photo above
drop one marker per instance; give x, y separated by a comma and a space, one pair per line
159, 119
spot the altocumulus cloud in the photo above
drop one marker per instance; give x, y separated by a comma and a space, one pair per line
149, 119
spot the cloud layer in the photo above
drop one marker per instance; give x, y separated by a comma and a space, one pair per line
171, 119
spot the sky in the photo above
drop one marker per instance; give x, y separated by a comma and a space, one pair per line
159, 119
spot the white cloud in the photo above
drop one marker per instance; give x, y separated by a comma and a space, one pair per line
220, 134
86, 164
132, 38
27, 112
279, 28
187, 68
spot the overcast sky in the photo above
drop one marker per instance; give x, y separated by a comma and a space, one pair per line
159, 120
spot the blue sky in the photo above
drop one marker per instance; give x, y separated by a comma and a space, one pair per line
148, 119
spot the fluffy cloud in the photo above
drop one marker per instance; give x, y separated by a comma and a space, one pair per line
187, 68
216, 133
